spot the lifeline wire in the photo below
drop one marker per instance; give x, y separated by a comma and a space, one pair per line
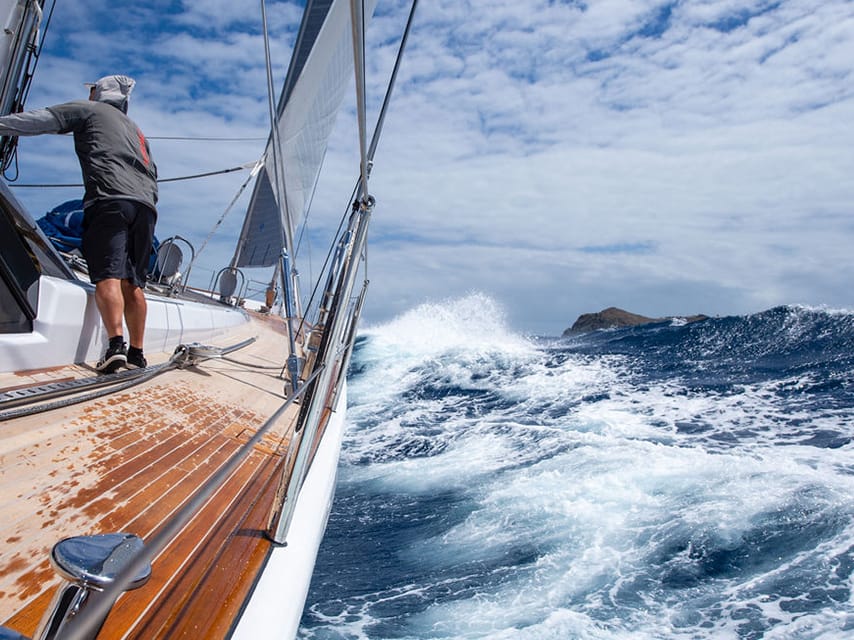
248, 165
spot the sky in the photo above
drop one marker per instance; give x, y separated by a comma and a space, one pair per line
668, 157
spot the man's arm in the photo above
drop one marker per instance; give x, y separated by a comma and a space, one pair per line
29, 123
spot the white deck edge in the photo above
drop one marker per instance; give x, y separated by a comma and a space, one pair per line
68, 328
276, 605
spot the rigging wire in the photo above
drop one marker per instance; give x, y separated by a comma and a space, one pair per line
242, 167
202, 139
258, 166
279, 190
290, 291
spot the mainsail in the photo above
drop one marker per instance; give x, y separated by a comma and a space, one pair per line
320, 70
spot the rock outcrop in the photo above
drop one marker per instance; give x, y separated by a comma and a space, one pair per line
613, 318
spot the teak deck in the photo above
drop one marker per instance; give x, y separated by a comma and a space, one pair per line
129, 461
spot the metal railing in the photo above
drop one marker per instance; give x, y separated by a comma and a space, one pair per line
169, 261
332, 356
230, 284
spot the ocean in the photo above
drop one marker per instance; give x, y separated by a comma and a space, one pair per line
666, 481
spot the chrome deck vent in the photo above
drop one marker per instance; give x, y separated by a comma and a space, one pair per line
87, 565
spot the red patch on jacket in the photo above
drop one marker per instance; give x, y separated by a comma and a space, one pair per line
143, 148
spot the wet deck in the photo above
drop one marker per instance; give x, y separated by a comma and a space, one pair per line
129, 461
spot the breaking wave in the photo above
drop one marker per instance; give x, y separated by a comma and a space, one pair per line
666, 481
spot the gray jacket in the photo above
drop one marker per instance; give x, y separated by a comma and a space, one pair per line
114, 155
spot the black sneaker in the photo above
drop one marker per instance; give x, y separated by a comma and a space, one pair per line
114, 358
135, 359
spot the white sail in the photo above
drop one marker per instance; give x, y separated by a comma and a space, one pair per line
320, 71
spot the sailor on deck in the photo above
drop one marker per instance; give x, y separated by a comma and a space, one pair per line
119, 204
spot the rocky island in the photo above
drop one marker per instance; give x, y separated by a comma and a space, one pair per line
612, 318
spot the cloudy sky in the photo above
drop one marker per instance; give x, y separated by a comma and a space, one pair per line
664, 156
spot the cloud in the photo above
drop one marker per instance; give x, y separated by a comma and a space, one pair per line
560, 156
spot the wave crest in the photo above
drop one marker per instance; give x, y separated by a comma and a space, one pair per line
475, 322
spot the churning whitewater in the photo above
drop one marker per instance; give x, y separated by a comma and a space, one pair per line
667, 481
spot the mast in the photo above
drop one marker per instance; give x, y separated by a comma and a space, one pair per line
358, 28
284, 267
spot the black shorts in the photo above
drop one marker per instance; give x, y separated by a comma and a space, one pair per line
117, 238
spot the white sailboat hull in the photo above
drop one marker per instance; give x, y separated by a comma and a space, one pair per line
276, 605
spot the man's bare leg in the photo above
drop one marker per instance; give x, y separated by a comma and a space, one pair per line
110, 303
136, 309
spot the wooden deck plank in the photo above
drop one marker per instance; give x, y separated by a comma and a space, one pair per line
107, 435
220, 566
57, 500
152, 501
144, 513
130, 466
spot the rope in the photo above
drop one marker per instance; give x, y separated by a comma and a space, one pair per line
250, 365
135, 377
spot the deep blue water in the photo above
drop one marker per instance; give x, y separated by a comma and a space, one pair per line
666, 481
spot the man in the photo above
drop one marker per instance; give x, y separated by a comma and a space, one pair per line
119, 205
